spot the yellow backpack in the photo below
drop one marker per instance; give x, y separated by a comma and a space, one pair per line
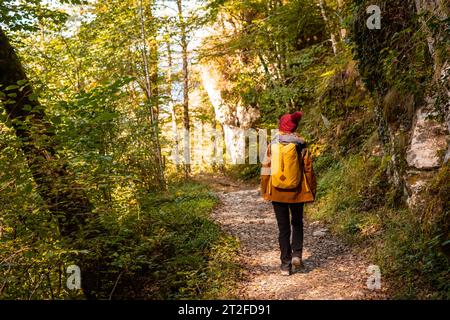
284, 167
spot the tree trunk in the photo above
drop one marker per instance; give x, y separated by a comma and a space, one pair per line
171, 104
329, 26
149, 94
343, 31
184, 47
154, 67
65, 199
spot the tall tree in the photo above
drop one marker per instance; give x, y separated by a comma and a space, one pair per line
327, 21
151, 91
184, 48
171, 100
66, 200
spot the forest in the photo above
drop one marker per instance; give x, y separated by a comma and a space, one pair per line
123, 123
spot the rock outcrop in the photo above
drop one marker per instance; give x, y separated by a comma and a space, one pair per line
428, 141
235, 118
429, 145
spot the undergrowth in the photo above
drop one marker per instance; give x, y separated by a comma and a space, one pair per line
410, 246
167, 247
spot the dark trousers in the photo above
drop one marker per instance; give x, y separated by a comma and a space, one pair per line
285, 220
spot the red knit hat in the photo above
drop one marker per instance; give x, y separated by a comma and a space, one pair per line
289, 122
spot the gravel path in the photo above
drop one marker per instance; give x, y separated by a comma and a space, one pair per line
332, 269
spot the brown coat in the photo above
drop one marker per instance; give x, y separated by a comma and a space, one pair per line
306, 190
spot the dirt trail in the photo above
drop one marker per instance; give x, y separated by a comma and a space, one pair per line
332, 269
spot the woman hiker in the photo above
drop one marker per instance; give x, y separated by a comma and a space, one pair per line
287, 179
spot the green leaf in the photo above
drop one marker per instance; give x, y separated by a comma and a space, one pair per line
106, 116
28, 188
33, 96
11, 87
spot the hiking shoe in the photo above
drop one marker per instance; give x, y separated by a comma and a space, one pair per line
285, 272
297, 263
